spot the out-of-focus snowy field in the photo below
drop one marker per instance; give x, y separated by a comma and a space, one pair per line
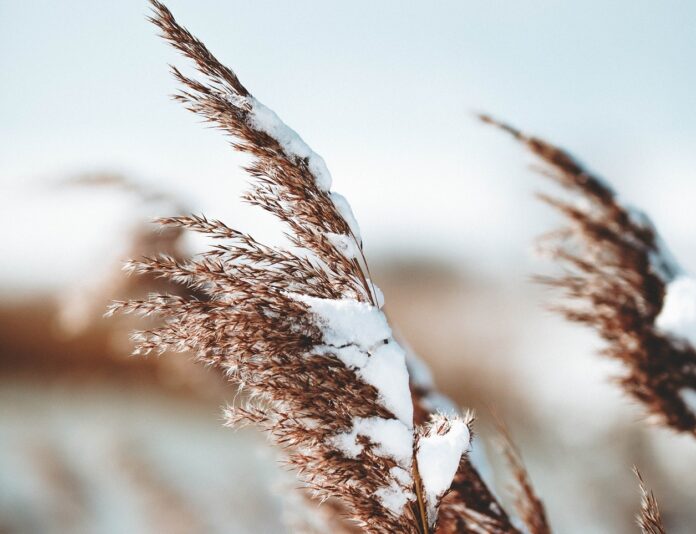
133, 445
86, 459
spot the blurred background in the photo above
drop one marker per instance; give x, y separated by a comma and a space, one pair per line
95, 440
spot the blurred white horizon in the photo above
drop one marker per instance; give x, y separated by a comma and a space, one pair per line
385, 93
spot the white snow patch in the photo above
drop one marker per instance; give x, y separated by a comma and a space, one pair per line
418, 370
379, 296
345, 323
421, 377
345, 244
678, 315
394, 497
386, 371
267, 121
401, 475
638, 217
345, 211
391, 438
688, 395
438, 459
661, 259
348, 322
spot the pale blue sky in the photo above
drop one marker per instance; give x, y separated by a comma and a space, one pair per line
383, 90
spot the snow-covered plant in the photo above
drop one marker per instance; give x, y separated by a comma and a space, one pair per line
622, 282
302, 330
469, 506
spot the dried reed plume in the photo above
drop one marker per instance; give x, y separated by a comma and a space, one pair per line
649, 518
301, 328
617, 277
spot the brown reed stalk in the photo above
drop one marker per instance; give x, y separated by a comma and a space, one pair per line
616, 275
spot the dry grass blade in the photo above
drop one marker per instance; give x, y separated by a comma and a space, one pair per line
649, 518
529, 506
616, 279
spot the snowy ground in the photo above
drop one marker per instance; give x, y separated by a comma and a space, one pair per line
103, 456
76, 459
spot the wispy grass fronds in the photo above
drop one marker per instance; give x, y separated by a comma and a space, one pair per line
620, 280
300, 328
649, 518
